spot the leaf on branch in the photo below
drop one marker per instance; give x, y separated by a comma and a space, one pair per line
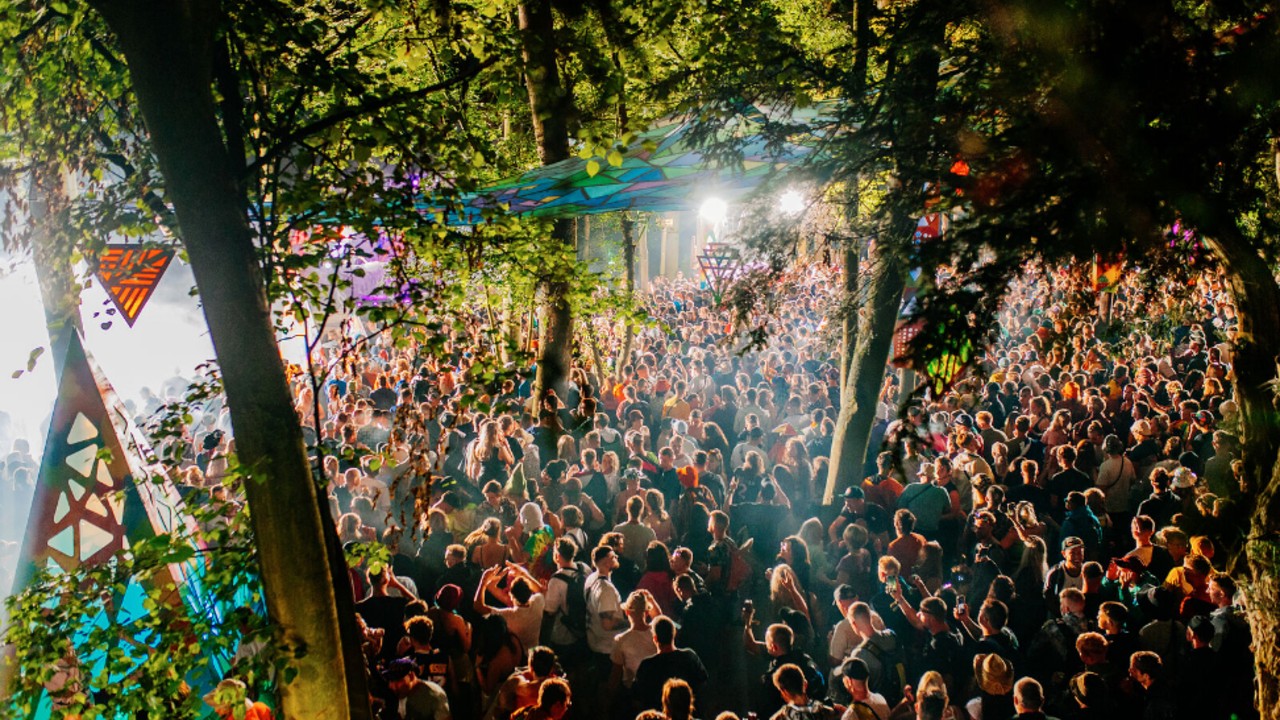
593, 168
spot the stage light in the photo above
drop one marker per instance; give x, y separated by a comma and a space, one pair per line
714, 210
791, 203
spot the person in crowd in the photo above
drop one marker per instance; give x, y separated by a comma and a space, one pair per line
791, 684
521, 689
669, 663
554, 699
417, 699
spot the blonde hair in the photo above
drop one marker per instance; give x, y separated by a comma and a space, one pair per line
777, 594
932, 683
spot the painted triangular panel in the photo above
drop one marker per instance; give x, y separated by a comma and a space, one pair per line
130, 274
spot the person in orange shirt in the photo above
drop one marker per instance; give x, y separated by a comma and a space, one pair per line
907, 545
881, 488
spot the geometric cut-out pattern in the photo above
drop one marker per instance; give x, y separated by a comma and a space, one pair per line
104, 476
93, 539
82, 460
86, 492
73, 518
720, 263
82, 429
95, 506
65, 541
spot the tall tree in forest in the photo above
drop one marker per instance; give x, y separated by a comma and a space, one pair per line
876, 149
550, 104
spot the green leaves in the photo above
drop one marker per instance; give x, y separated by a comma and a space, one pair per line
32, 357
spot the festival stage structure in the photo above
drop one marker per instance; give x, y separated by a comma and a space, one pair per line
101, 489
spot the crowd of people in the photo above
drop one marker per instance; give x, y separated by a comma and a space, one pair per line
1038, 540
1043, 539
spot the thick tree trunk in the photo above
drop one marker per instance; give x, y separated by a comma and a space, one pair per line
168, 47
1257, 298
864, 377
862, 372
555, 336
550, 104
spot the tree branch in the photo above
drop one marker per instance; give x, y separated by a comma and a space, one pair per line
372, 106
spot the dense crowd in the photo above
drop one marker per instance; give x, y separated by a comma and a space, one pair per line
1042, 539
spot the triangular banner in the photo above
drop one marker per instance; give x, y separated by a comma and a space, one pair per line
130, 274
720, 263
1106, 273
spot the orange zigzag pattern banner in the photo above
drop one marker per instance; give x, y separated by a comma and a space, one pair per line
130, 274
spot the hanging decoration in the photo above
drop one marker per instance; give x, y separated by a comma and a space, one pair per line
947, 368
931, 226
657, 171
903, 334
720, 263
130, 274
1106, 273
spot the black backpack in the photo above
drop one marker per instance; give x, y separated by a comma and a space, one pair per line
574, 614
894, 668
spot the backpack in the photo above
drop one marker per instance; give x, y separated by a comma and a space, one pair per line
739, 568
814, 711
894, 670
859, 710
574, 613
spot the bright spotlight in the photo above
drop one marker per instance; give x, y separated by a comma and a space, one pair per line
713, 210
791, 202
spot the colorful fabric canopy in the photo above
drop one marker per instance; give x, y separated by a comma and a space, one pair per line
666, 168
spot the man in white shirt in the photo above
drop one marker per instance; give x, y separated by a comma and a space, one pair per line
562, 635
521, 596
604, 604
604, 620
864, 704
843, 637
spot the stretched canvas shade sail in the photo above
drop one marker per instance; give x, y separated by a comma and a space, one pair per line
665, 168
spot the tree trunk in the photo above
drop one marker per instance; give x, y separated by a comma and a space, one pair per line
1257, 298
629, 286
864, 379
550, 105
169, 49
51, 253
849, 323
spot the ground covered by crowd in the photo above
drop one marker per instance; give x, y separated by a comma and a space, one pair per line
1043, 539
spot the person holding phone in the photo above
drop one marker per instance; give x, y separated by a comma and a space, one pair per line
884, 603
